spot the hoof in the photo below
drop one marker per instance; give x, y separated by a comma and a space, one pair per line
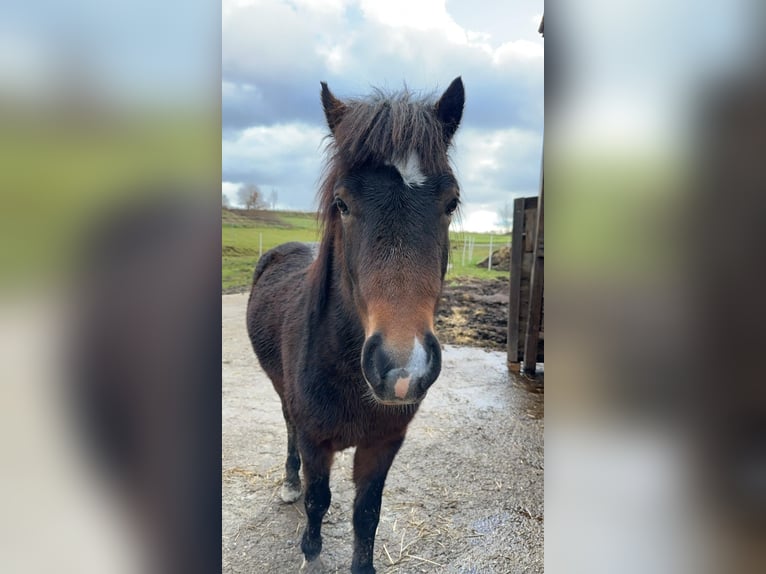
290, 492
315, 566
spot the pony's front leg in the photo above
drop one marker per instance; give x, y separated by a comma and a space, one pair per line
371, 466
317, 460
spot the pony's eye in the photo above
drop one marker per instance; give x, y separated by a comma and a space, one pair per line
451, 206
341, 205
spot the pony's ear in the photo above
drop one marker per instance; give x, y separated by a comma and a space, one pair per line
333, 107
449, 108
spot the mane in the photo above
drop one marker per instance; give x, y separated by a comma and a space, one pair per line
379, 128
382, 127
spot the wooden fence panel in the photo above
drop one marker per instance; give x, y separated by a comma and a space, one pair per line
525, 311
534, 322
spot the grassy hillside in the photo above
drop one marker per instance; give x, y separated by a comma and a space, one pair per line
247, 234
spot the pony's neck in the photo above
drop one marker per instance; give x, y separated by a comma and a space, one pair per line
331, 287
343, 292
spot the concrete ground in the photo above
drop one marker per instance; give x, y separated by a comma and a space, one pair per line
464, 495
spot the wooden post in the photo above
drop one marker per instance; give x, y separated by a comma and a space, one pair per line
532, 338
489, 261
517, 246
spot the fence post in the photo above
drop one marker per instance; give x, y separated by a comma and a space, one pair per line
464, 245
489, 261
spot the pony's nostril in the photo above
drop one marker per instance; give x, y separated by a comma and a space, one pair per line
371, 362
383, 363
434, 353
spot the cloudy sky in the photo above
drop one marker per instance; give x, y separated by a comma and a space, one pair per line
275, 53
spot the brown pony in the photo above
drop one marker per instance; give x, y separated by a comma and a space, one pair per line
347, 338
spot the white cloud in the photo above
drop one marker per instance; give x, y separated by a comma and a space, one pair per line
420, 15
478, 220
336, 55
276, 52
286, 158
518, 51
332, 7
230, 189
494, 163
271, 41
266, 143
396, 40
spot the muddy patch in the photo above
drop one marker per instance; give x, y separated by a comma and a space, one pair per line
474, 312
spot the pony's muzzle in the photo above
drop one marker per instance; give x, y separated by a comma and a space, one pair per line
401, 376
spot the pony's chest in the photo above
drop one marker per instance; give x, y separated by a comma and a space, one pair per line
348, 419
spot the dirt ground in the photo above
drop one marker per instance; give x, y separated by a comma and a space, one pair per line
474, 312
464, 495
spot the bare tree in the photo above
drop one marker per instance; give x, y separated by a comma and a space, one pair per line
273, 198
505, 217
250, 197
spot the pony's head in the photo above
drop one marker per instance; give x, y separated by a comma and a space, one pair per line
387, 200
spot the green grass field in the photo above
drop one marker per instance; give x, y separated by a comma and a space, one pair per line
245, 237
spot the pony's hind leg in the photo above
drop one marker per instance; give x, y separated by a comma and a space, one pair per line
291, 487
